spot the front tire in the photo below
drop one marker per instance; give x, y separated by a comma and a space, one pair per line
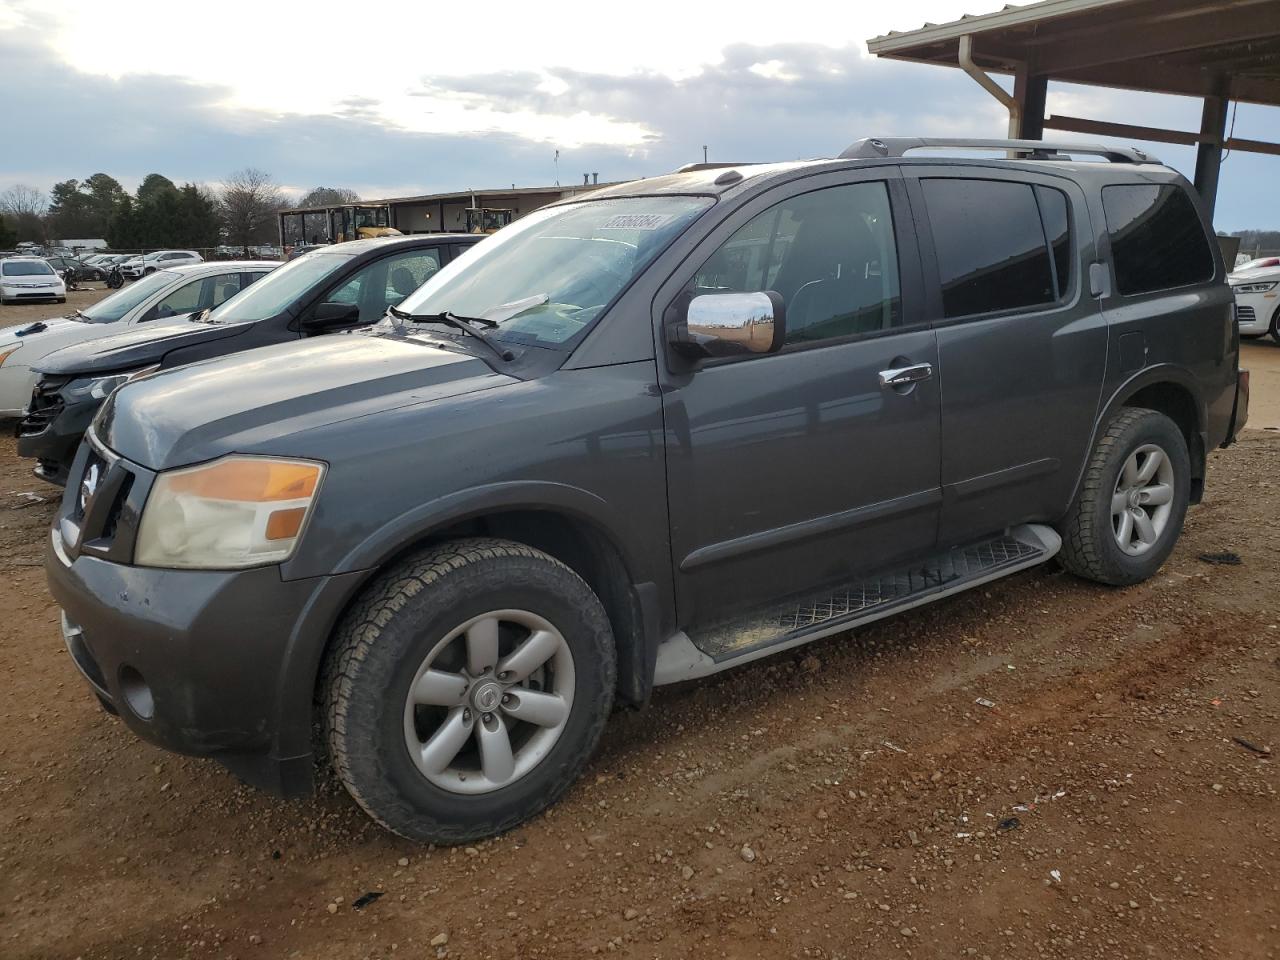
1130, 508
1275, 325
467, 689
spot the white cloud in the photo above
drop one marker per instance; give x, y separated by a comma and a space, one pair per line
290, 58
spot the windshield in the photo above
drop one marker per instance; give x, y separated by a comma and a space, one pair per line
112, 308
280, 288
25, 268
546, 277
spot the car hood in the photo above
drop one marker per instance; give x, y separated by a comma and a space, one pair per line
1254, 275
37, 332
140, 346
261, 397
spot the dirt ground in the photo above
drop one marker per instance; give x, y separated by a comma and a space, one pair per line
848, 800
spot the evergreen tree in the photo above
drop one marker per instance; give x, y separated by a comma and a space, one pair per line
198, 217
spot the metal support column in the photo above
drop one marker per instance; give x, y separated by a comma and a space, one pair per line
1213, 129
1030, 90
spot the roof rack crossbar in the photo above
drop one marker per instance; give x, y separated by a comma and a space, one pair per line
878, 148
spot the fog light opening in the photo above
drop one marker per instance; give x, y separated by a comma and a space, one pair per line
136, 693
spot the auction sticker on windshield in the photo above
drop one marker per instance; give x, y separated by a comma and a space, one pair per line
636, 221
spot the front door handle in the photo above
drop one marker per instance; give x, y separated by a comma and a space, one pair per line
906, 376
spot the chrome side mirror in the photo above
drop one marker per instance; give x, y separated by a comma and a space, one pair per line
725, 324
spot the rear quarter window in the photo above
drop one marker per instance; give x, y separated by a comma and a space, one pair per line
1157, 240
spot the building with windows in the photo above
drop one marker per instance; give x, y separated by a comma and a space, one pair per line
428, 213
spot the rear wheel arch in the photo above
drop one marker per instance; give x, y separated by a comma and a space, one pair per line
1168, 390
1177, 402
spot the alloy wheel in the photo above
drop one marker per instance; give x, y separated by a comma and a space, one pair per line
489, 701
1143, 499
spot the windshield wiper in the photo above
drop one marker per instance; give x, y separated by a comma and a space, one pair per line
469, 325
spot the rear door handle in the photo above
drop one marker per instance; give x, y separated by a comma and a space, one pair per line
905, 376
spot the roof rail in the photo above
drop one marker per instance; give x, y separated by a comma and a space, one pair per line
875, 149
691, 167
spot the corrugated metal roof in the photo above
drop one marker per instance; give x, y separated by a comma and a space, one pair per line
1228, 48
1011, 15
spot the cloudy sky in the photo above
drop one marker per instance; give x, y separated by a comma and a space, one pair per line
396, 98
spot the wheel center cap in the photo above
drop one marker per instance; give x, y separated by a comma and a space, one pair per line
1135, 497
486, 696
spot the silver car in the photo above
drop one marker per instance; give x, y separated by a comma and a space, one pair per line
164, 295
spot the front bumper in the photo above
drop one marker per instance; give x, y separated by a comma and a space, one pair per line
51, 433
217, 663
1254, 311
14, 294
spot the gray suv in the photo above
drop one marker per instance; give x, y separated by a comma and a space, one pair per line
636, 438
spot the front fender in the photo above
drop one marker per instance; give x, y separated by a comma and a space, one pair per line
414, 525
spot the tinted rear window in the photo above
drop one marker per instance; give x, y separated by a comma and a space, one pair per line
990, 239
1157, 241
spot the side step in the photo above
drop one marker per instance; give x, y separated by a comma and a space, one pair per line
789, 624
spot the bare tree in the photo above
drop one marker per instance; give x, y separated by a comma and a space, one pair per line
27, 208
248, 205
329, 197
21, 200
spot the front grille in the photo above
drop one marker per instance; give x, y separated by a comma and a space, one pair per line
1245, 314
46, 403
100, 493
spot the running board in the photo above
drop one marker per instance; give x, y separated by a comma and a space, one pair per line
785, 625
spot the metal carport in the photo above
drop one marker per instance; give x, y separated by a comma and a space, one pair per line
1216, 50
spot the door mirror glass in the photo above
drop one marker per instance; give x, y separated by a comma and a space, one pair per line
726, 324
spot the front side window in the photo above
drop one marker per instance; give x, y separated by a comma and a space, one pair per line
1000, 245
830, 254
186, 299
225, 286
1157, 241
386, 282
546, 277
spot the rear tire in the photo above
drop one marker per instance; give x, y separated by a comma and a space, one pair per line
424, 676
1122, 526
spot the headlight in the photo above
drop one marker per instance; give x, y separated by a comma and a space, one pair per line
99, 388
1254, 287
5, 355
234, 512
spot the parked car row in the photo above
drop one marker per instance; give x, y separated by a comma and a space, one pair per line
432, 511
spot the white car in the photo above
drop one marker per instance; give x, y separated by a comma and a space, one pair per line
170, 294
158, 260
24, 279
1257, 290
